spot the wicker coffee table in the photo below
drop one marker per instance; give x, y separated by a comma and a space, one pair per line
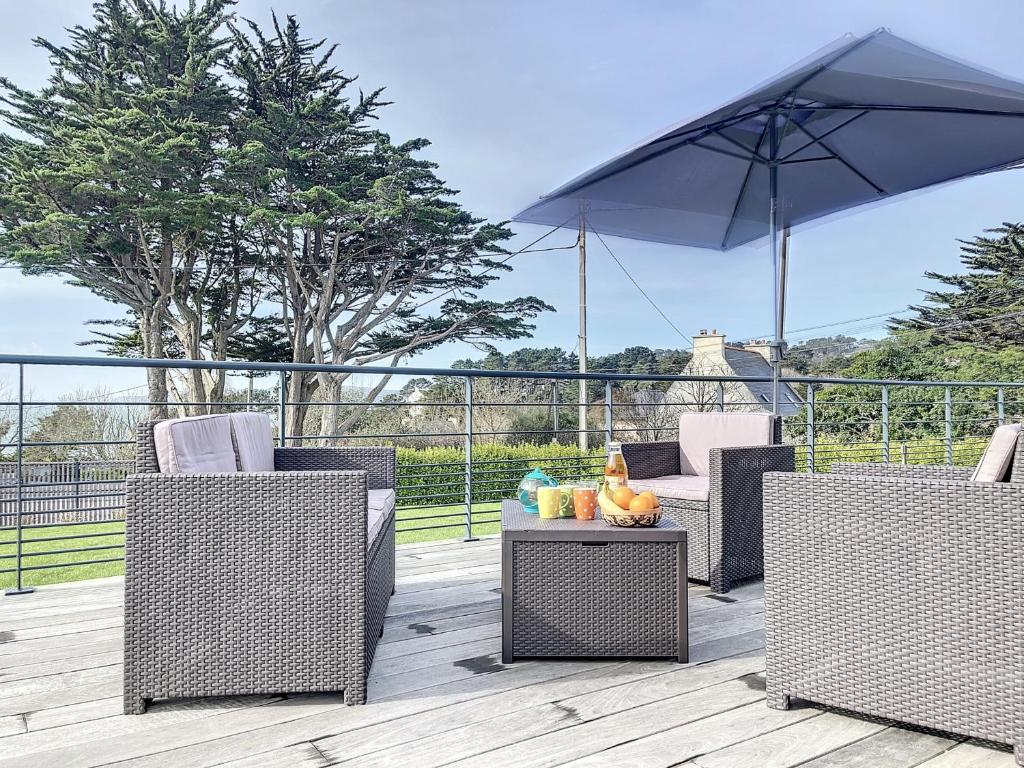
585, 589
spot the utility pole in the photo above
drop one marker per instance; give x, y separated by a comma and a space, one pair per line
583, 329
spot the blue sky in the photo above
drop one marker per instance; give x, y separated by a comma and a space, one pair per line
519, 97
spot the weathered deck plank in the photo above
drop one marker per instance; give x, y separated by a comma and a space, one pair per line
438, 695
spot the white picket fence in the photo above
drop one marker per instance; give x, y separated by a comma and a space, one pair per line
63, 491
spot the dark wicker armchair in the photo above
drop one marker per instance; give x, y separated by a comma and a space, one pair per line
896, 591
722, 516
245, 583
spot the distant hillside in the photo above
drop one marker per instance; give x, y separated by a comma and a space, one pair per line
826, 352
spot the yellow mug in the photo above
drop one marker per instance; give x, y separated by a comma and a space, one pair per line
548, 501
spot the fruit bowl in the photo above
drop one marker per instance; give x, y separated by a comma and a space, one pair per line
627, 519
621, 517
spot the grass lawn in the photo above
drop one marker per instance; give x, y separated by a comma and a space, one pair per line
37, 551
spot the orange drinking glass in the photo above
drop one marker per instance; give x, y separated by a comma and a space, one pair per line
584, 500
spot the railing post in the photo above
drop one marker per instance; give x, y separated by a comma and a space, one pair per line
1000, 407
720, 396
608, 416
469, 460
76, 474
554, 411
885, 423
949, 424
282, 401
810, 428
19, 588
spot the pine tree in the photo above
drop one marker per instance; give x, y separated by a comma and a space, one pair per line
367, 248
114, 175
985, 304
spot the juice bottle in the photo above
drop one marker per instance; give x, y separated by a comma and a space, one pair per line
615, 473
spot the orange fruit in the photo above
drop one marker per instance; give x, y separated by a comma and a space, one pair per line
623, 496
641, 503
649, 495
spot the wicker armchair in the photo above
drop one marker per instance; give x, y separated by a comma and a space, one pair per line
247, 583
724, 532
896, 591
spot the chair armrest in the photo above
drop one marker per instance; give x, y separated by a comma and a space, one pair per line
875, 469
646, 460
734, 509
377, 462
729, 464
192, 508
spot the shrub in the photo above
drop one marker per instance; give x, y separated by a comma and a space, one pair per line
429, 476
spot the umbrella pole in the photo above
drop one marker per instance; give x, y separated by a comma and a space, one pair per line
773, 233
582, 338
780, 321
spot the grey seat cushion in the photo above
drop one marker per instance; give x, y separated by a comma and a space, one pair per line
688, 487
995, 462
380, 504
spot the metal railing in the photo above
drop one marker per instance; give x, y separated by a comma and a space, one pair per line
61, 514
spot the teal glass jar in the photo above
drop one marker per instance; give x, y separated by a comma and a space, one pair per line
528, 489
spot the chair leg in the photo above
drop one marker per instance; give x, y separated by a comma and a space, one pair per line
355, 694
1018, 753
135, 705
776, 700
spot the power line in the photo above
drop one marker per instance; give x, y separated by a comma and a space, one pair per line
506, 260
994, 298
642, 291
933, 329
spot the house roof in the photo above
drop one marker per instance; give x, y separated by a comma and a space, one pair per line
746, 362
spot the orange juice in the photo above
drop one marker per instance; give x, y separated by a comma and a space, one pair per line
615, 473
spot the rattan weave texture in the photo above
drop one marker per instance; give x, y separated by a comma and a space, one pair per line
934, 471
575, 600
243, 583
582, 589
899, 598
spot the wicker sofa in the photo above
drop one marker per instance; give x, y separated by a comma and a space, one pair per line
897, 592
723, 517
246, 583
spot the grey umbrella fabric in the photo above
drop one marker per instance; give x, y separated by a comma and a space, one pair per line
861, 120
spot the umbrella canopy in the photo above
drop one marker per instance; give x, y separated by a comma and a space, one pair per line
861, 120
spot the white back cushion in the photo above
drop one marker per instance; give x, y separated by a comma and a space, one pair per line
254, 441
195, 444
998, 455
700, 432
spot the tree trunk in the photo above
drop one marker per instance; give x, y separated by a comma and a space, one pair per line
151, 324
295, 415
331, 389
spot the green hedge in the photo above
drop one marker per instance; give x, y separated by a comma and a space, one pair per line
828, 450
428, 476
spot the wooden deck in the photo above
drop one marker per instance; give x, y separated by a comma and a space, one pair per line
439, 695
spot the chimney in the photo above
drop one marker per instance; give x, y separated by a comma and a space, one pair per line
763, 347
709, 348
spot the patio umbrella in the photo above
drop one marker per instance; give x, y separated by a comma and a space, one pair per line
859, 121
